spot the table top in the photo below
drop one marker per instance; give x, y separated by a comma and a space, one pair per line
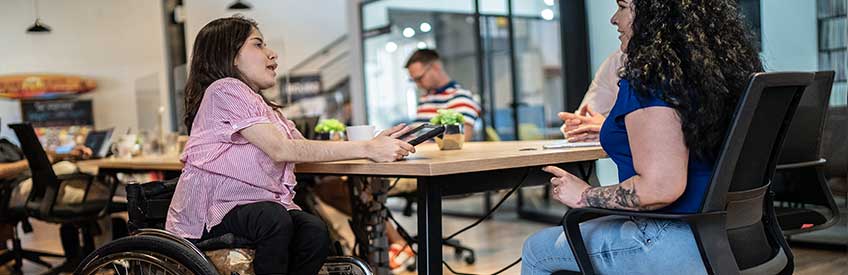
427, 161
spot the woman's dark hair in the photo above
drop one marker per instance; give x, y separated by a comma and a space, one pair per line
696, 55
215, 50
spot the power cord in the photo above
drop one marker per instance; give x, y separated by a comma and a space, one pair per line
491, 211
402, 231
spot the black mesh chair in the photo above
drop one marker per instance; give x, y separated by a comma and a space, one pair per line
804, 200
14, 215
736, 229
835, 150
44, 201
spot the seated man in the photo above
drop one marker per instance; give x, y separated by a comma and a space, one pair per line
441, 92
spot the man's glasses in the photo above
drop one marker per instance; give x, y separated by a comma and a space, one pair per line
421, 76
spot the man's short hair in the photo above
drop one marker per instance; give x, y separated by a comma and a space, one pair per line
425, 56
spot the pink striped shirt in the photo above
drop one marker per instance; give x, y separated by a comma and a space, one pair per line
222, 169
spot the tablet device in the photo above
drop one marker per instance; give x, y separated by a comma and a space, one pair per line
566, 144
422, 133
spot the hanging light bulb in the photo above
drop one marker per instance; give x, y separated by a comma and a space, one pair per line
547, 14
408, 32
391, 47
37, 27
425, 27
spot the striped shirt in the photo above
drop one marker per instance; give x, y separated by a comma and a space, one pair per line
222, 169
450, 96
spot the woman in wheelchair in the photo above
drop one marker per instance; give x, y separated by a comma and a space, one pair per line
239, 159
686, 64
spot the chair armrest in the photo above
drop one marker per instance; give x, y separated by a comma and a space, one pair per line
818, 162
52, 193
572, 219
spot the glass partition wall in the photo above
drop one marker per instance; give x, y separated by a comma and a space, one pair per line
515, 73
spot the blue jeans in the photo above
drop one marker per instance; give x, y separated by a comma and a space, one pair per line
617, 245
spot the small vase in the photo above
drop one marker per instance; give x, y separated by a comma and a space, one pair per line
331, 136
452, 138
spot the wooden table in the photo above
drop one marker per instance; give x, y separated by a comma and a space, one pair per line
478, 167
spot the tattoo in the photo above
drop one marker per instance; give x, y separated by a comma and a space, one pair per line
620, 196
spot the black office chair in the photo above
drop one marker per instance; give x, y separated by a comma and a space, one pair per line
13, 215
835, 150
804, 200
44, 200
736, 229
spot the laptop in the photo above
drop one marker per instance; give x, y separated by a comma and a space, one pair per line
100, 142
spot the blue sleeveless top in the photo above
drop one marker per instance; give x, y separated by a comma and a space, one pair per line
615, 142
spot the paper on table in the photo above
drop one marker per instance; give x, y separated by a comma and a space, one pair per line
566, 144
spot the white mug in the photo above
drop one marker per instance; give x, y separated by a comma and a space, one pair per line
362, 132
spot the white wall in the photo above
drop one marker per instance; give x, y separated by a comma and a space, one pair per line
788, 32
789, 35
294, 29
603, 37
112, 41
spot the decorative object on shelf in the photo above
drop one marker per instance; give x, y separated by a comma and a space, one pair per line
43, 86
453, 137
239, 5
330, 129
37, 27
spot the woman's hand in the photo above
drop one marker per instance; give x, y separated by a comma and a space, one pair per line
584, 126
568, 189
385, 147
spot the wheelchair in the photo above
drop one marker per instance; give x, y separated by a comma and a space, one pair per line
151, 250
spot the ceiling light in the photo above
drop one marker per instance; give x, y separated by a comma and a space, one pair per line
547, 14
422, 45
37, 27
408, 32
391, 47
549, 2
425, 27
239, 5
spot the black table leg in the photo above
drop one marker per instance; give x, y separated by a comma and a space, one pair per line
429, 227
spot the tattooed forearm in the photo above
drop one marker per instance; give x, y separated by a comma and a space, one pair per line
620, 196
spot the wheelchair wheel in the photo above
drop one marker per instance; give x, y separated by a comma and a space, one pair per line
136, 255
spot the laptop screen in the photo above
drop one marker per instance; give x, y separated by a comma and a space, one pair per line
99, 142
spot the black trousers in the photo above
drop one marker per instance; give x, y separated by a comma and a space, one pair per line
287, 242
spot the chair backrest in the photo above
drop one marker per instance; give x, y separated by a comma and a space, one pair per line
39, 164
803, 140
746, 164
755, 136
834, 145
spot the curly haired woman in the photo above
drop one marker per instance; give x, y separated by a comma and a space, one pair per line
687, 62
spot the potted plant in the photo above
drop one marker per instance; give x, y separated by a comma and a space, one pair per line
330, 129
453, 137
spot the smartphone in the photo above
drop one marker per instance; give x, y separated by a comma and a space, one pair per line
422, 133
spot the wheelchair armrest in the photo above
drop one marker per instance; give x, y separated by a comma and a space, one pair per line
572, 219
226, 241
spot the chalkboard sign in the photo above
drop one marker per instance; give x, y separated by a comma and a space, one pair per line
57, 113
300, 87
